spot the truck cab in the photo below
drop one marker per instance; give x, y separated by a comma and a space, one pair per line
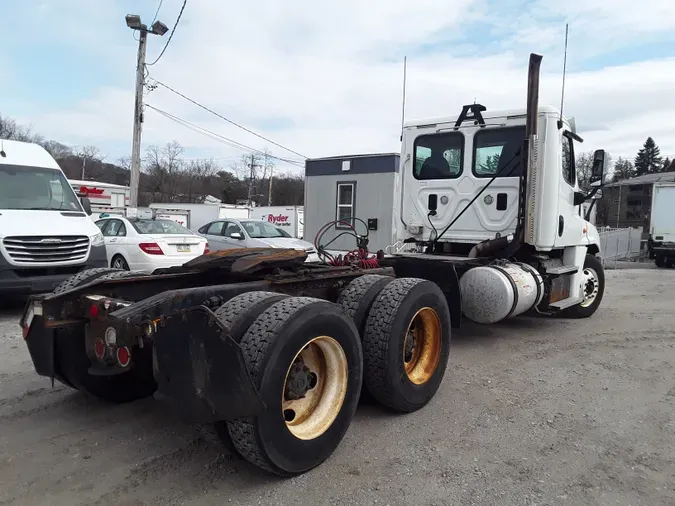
447, 162
500, 189
46, 235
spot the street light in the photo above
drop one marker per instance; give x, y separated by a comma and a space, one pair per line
134, 21
157, 28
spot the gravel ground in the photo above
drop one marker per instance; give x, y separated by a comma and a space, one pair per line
534, 411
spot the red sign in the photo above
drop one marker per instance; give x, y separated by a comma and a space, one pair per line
90, 191
279, 219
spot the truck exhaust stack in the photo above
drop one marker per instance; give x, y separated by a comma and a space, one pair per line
529, 178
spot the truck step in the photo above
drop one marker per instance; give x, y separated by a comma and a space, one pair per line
562, 269
565, 303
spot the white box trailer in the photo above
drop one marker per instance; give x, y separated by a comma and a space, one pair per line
288, 218
104, 197
661, 242
662, 223
201, 214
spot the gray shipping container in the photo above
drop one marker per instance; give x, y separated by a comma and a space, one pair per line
359, 185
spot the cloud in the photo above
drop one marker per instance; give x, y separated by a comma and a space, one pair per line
325, 79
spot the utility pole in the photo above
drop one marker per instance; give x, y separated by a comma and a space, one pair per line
84, 162
138, 121
157, 28
251, 176
269, 198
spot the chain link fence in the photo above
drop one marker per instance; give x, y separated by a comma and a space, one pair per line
620, 244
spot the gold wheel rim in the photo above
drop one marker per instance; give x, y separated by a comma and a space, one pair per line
422, 346
322, 366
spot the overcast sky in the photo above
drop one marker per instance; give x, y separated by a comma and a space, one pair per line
324, 78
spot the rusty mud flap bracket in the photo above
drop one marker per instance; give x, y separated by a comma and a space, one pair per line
201, 370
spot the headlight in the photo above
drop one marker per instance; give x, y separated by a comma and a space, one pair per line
97, 240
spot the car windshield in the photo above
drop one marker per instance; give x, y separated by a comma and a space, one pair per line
263, 230
36, 188
159, 227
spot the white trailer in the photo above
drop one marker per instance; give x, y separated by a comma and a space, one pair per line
104, 197
288, 218
201, 214
661, 241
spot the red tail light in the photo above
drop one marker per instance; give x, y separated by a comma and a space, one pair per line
151, 248
206, 249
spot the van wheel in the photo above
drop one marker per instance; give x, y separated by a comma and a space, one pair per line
304, 356
406, 344
593, 289
118, 262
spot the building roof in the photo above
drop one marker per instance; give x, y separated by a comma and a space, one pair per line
352, 157
645, 179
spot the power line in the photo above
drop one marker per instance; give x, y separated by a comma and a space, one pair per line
171, 34
220, 138
157, 12
227, 119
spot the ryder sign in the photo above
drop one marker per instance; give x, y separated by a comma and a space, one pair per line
284, 217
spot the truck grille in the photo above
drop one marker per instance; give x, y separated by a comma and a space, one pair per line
34, 249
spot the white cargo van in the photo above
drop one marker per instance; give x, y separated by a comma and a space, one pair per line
45, 233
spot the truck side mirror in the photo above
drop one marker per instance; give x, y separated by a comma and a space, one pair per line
86, 205
598, 166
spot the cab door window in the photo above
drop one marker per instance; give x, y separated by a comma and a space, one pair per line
568, 166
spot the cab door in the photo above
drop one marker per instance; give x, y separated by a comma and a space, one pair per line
569, 224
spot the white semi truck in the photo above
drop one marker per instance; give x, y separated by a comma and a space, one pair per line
270, 354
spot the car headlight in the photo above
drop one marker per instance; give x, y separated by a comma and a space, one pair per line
97, 240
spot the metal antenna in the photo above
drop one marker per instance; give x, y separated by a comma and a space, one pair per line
405, 61
562, 94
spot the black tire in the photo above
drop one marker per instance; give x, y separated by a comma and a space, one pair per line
579, 311
387, 327
82, 278
121, 262
660, 260
358, 297
270, 346
237, 314
356, 300
73, 362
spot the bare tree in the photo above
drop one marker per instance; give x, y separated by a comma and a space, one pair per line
88, 154
11, 130
584, 166
57, 150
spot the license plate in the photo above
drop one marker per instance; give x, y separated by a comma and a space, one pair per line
183, 248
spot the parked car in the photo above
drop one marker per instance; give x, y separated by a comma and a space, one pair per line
229, 233
148, 244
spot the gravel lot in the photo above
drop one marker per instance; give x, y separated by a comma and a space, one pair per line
534, 411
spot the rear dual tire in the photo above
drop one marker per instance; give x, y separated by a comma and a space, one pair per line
305, 358
405, 330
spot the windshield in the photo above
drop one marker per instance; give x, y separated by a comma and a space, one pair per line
36, 188
263, 230
159, 227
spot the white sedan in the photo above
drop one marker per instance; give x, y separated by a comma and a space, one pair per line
148, 244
